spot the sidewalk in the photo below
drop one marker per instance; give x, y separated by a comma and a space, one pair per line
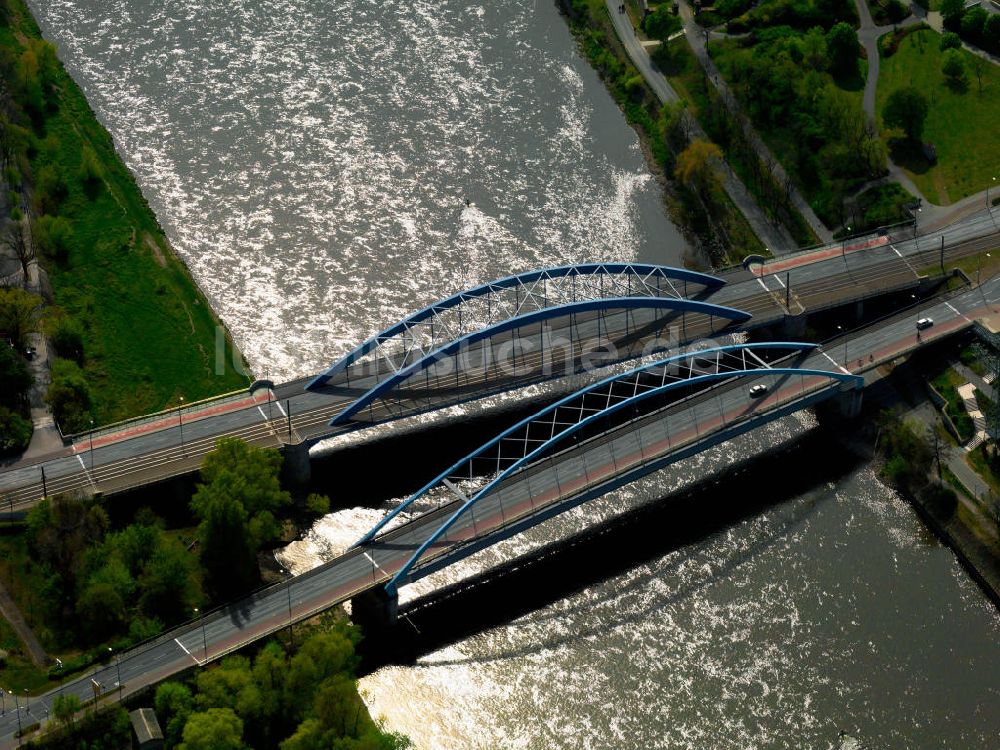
696, 38
775, 238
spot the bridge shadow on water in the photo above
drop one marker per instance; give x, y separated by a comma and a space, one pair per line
692, 516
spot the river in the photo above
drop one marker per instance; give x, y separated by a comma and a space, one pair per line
311, 161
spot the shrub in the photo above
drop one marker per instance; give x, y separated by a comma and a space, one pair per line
950, 40
69, 396
91, 172
15, 432
66, 335
318, 504
50, 190
52, 236
895, 11
15, 376
953, 67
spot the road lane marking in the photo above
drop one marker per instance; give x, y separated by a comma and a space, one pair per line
86, 473
178, 642
957, 312
836, 364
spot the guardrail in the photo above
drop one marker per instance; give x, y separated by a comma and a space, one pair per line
181, 410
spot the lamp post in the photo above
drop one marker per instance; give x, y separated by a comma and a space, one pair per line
180, 424
27, 706
843, 333
979, 268
843, 245
988, 206
118, 672
17, 710
91, 446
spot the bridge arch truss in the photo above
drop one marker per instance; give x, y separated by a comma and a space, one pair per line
481, 307
557, 428
540, 345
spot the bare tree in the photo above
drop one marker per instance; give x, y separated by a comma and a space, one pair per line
16, 239
979, 67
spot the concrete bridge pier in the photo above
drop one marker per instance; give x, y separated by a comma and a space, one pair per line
795, 326
375, 609
849, 403
296, 470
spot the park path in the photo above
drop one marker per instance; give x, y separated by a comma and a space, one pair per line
697, 37
932, 216
13, 615
775, 237
868, 35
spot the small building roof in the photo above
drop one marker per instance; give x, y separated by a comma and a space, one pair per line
145, 726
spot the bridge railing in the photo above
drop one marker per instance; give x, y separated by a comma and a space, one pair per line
174, 412
887, 230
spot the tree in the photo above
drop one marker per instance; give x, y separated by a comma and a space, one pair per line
214, 729
844, 47
169, 587
979, 65
952, 11
16, 240
228, 556
950, 40
65, 708
69, 396
814, 48
906, 108
661, 23
173, 705
53, 235
236, 507
252, 471
15, 432
101, 611
974, 23
15, 376
18, 315
65, 334
953, 68
696, 167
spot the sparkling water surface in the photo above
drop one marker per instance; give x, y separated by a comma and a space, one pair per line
311, 162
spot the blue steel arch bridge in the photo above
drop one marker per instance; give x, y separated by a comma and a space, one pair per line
520, 330
593, 441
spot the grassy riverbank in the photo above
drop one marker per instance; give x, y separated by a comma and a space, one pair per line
710, 219
146, 334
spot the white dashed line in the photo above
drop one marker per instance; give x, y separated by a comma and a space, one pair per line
85, 472
957, 311
178, 642
836, 363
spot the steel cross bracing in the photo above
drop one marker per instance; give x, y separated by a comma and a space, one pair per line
471, 476
532, 441
480, 307
469, 367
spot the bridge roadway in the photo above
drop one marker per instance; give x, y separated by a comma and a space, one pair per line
174, 443
694, 423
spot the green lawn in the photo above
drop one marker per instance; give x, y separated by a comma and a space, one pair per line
149, 334
961, 125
